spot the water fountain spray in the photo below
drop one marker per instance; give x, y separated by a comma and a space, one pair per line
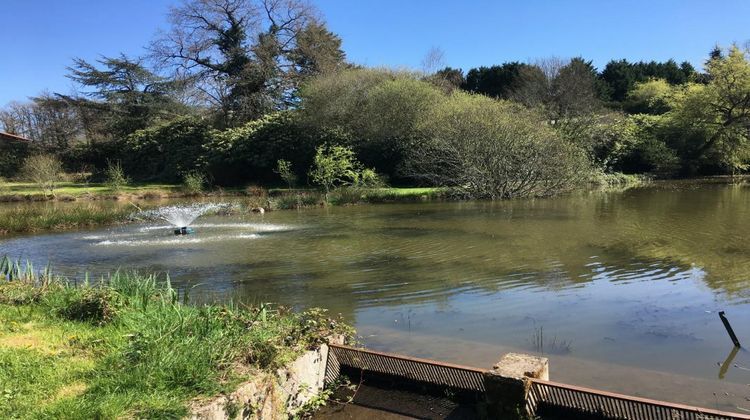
181, 217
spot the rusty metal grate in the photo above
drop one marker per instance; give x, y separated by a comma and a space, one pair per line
545, 399
429, 371
555, 399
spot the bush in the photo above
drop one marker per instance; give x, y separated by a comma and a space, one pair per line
12, 155
44, 170
115, 177
166, 152
192, 183
484, 148
378, 110
18, 293
251, 153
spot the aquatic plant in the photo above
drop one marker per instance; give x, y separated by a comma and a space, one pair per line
548, 346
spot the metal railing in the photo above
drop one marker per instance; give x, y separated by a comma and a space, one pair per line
546, 397
423, 370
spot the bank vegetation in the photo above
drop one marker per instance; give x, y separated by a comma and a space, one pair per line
127, 346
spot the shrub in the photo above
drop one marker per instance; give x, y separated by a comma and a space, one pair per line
115, 176
284, 169
192, 183
167, 151
251, 152
379, 110
484, 148
44, 170
18, 293
336, 166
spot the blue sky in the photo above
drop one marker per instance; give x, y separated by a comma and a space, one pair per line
40, 37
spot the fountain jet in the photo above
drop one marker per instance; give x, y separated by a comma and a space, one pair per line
181, 217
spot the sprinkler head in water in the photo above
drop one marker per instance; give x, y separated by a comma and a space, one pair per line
183, 231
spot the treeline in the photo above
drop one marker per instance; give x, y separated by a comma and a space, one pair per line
234, 86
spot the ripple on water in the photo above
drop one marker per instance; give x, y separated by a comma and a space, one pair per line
177, 240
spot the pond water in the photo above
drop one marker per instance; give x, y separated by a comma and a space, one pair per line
621, 290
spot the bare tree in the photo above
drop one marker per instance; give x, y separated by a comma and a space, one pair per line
241, 53
433, 61
47, 119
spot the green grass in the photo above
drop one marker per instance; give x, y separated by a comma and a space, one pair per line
74, 189
27, 218
297, 198
129, 348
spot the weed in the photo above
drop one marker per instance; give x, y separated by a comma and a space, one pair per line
547, 346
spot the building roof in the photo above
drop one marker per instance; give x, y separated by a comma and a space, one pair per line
12, 137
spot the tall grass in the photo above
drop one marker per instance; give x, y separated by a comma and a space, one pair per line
147, 353
23, 219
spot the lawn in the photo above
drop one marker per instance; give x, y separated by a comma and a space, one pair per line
79, 189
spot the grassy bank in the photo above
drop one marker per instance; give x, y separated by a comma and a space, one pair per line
128, 348
39, 217
27, 191
21, 219
281, 199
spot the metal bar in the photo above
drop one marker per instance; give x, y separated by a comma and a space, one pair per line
624, 403
730, 331
542, 393
412, 359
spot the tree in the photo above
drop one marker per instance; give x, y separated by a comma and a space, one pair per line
496, 81
44, 170
574, 90
246, 55
334, 166
720, 111
448, 79
284, 169
49, 121
378, 111
433, 60
317, 51
124, 93
621, 75
652, 97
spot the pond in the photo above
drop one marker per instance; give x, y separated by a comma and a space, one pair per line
620, 290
